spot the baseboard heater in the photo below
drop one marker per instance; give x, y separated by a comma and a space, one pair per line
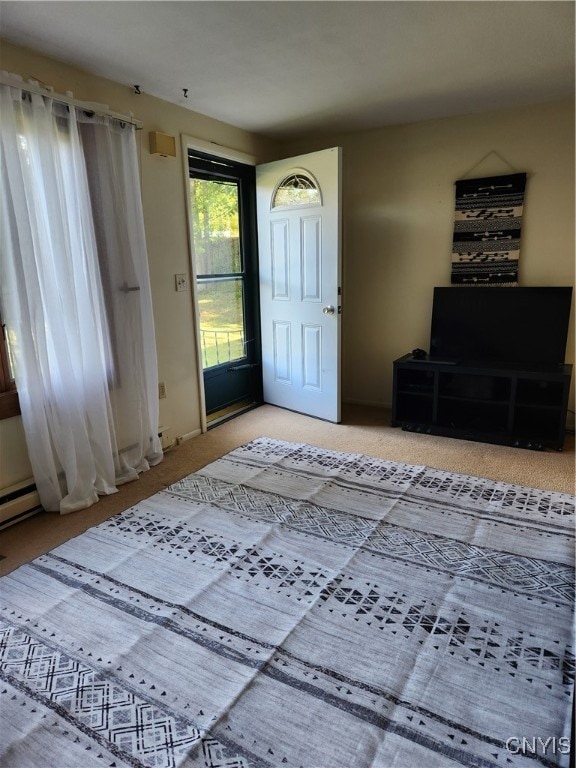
18, 502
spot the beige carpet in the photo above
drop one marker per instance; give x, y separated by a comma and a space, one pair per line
364, 430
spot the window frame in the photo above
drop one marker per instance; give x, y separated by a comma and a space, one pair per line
215, 168
9, 402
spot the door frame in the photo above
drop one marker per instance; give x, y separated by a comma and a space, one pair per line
227, 153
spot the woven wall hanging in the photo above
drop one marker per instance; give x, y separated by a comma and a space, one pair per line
487, 224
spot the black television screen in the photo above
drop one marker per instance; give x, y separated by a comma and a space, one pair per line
500, 325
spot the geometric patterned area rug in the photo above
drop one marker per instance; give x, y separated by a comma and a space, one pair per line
291, 606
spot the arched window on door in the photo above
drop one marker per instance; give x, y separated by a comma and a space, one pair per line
297, 189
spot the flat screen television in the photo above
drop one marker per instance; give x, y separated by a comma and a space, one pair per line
500, 325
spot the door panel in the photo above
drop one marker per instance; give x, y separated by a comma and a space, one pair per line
282, 352
280, 259
311, 259
299, 212
311, 357
221, 310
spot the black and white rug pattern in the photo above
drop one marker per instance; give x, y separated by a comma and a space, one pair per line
294, 606
487, 228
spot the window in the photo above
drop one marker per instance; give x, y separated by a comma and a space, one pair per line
9, 404
297, 189
219, 268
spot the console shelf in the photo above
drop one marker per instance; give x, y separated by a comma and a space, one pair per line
521, 406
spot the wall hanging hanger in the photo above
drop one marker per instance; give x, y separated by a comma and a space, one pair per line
492, 153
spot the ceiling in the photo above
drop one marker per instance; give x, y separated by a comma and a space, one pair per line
288, 69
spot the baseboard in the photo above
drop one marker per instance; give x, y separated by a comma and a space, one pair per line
188, 436
369, 403
18, 502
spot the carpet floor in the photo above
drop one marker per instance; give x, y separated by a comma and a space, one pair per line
363, 429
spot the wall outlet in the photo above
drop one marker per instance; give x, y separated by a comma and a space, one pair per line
161, 390
181, 282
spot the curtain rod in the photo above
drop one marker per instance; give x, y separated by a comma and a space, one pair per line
98, 109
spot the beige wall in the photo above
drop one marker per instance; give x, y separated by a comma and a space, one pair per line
398, 222
164, 204
398, 219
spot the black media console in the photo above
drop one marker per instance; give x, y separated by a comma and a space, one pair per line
523, 406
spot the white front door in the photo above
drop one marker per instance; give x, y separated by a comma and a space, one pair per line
299, 211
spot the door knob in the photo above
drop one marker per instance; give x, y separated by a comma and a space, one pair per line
329, 310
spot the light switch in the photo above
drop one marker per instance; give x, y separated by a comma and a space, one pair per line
181, 282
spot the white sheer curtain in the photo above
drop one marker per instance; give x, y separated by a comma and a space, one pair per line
76, 299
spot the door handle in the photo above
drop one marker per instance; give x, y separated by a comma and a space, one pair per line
243, 367
329, 310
